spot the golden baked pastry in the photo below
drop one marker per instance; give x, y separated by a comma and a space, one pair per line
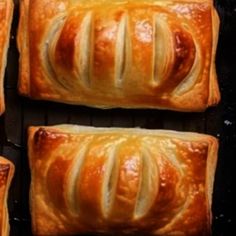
6, 12
6, 174
87, 180
131, 54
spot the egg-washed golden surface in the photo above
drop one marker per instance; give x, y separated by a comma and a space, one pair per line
115, 180
6, 174
132, 54
6, 12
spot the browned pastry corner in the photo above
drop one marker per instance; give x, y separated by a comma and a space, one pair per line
111, 180
131, 54
6, 12
6, 174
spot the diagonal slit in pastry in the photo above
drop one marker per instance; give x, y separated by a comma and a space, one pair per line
190, 80
110, 181
149, 185
52, 35
73, 177
58, 54
85, 49
121, 46
163, 49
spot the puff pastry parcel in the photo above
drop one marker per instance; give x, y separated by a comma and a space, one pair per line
87, 180
6, 174
6, 12
132, 54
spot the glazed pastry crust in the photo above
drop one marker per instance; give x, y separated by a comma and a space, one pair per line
6, 12
131, 54
115, 180
6, 175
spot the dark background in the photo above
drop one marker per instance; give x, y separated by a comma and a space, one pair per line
219, 121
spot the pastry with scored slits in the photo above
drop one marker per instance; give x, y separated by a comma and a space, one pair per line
6, 12
121, 181
6, 174
130, 54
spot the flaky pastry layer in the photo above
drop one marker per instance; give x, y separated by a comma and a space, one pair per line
114, 180
131, 54
6, 12
6, 175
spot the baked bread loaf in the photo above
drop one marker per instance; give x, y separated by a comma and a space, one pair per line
6, 174
6, 12
121, 181
131, 54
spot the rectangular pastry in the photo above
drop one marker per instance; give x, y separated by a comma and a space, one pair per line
6, 174
6, 12
130, 54
115, 180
